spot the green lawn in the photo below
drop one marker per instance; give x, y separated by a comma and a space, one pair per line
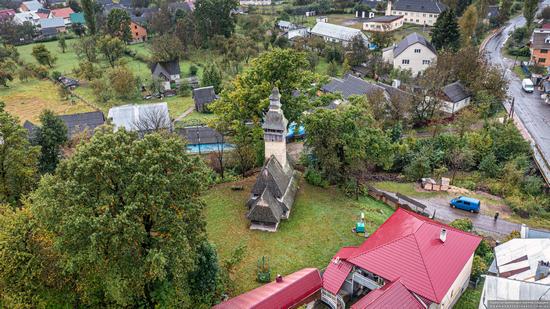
407, 188
471, 297
320, 223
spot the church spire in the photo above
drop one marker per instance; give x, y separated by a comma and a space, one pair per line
275, 99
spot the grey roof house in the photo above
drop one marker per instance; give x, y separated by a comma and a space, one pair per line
350, 85
420, 12
75, 123
413, 53
273, 193
142, 118
203, 97
168, 72
455, 97
56, 23
200, 135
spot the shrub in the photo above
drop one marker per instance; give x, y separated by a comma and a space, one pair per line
465, 183
464, 224
193, 70
56, 75
532, 185
41, 71
478, 267
315, 178
485, 251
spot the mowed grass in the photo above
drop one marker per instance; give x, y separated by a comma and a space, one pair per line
471, 297
27, 100
320, 223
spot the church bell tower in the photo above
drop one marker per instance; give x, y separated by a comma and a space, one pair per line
275, 130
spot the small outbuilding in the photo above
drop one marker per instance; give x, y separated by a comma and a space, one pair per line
203, 97
168, 72
455, 97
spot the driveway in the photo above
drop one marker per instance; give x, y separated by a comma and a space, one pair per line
484, 224
533, 115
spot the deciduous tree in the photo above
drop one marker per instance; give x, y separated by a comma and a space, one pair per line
118, 24
529, 10
86, 47
18, 160
62, 43
43, 55
50, 136
112, 48
214, 17
212, 76
131, 234
167, 47
468, 25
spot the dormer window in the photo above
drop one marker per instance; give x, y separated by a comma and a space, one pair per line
547, 40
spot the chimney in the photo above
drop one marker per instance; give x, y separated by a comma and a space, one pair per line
396, 83
443, 235
543, 270
279, 278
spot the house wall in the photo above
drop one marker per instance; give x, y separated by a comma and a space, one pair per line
387, 55
416, 62
540, 56
451, 108
255, 2
458, 287
139, 33
383, 27
413, 17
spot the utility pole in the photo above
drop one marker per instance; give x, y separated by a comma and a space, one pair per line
511, 116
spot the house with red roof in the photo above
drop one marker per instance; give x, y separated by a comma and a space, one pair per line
291, 291
6, 14
409, 262
64, 13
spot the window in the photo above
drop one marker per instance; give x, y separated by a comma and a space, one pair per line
423, 15
405, 61
426, 61
547, 40
431, 15
406, 13
417, 20
137, 34
544, 51
417, 50
542, 60
467, 203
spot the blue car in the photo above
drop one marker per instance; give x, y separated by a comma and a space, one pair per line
466, 203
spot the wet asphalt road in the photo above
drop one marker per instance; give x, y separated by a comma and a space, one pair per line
529, 107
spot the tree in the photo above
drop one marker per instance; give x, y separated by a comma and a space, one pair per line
50, 136
478, 267
88, 70
43, 55
7, 71
62, 43
464, 224
18, 160
91, 8
445, 34
382, 39
75, 6
161, 22
86, 47
123, 82
545, 13
504, 11
112, 48
133, 234
186, 31
332, 69
468, 25
118, 25
203, 281
356, 51
167, 47
212, 76
530, 8
214, 17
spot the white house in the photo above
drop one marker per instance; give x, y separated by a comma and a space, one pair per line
455, 97
496, 289
413, 53
420, 12
337, 34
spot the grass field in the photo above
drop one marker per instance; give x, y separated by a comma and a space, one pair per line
471, 297
26, 100
320, 223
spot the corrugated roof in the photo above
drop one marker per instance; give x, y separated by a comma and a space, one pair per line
384, 19
407, 247
293, 289
540, 39
409, 40
335, 274
391, 295
131, 116
497, 288
55, 22
518, 258
77, 18
82, 121
424, 6
32, 5
200, 135
63, 12
336, 31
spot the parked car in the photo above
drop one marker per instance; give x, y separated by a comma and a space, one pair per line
527, 85
466, 203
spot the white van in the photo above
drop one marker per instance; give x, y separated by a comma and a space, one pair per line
527, 85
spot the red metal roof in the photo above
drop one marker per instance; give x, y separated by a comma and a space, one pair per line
391, 295
546, 26
335, 275
294, 288
63, 12
407, 246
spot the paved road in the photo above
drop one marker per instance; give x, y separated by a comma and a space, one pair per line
484, 224
531, 111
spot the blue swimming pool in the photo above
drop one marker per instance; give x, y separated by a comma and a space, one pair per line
206, 148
